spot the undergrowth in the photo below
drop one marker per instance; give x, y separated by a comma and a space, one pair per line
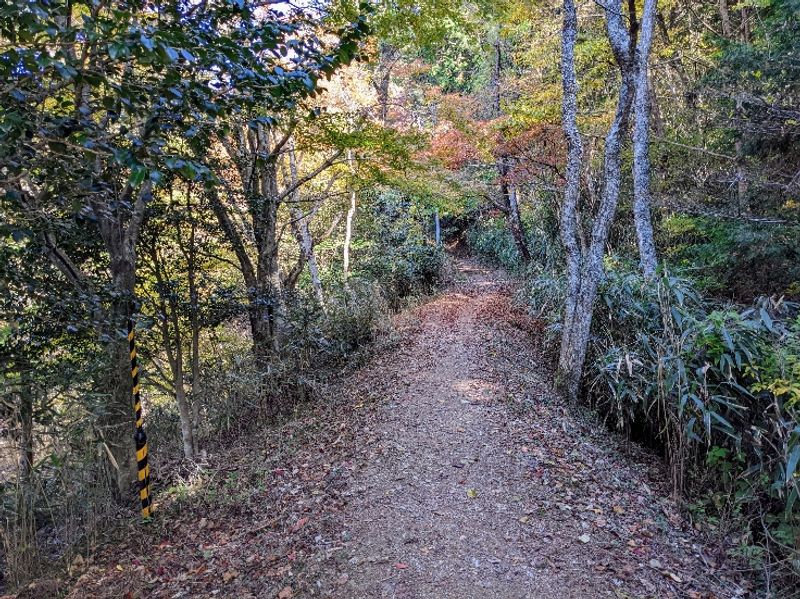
714, 386
66, 505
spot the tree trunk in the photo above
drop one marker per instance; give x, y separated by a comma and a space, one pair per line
585, 270
184, 413
194, 324
348, 223
267, 308
641, 146
176, 362
196, 395
437, 228
306, 245
116, 420
383, 78
256, 153
300, 227
569, 210
741, 176
725, 18
25, 449
23, 559
507, 193
517, 228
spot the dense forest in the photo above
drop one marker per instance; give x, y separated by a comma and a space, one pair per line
214, 214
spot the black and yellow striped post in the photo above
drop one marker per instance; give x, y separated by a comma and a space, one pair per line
141, 436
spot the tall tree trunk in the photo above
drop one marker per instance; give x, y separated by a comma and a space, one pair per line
194, 324
117, 419
437, 228
517, 227
267, 309
22, 532
508, 196
585, 271
641, 146
26, 440
300, 227
742, 205
348, 223
176, 362
196, 393
569, 209
120, 232
306, 243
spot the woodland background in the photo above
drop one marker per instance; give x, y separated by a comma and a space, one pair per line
259, 186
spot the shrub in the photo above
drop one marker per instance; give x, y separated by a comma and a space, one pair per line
732, 255
714, 387
403, 271
490, 238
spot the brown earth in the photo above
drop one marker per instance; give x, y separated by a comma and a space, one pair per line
446, 467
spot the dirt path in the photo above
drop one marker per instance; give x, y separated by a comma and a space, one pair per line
458, 498
444, 468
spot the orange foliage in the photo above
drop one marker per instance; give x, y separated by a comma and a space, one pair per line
535, 153
453, 148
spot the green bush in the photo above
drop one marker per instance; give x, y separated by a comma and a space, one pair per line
732, 255
352, 314
717, 388
403, 271
490, 238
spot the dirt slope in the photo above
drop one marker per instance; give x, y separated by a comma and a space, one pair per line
444, 468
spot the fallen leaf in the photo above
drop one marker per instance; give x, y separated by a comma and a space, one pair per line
401, 566
584, 538
472, 493
618, 510
286, 593
654, 563
674, 577
300, 524
229, 575
524, 519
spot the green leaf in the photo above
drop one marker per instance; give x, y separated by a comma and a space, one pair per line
138, 174
766, 319
791, 463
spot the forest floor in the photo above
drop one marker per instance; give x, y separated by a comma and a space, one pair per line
445, 467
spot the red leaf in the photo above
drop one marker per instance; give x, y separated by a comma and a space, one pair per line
300, 524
